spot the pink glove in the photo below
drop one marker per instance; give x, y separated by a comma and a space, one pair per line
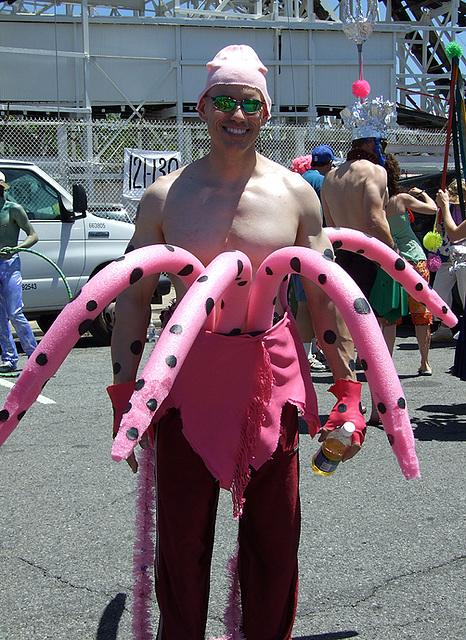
120, 395
347, 409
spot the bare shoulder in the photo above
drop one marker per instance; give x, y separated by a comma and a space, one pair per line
280, 177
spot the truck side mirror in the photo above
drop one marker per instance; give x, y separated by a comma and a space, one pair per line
79, 200
79, 205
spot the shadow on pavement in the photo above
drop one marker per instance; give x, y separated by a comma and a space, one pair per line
108, 625
446, 422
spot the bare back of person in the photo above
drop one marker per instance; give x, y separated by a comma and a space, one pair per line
354, 195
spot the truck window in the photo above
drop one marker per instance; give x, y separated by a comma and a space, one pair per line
38, 198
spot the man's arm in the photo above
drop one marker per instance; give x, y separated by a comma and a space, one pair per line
374, 201
132, 313
133, 304
325, 316
19, 216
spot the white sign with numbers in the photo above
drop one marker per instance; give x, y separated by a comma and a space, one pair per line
142, 168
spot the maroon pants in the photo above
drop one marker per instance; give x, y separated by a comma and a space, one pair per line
268, 537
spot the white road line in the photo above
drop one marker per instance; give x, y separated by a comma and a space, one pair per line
40, 398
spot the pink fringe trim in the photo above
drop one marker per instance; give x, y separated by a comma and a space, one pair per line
143, 557
233, 617
250, 429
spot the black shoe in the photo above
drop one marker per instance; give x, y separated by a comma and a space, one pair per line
7, 368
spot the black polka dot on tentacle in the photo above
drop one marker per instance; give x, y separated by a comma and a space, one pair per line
419, 286
242, 283
285, 278
222, 304
21, 415
91, 305
360, 251
361, 306
202, 279
368, 235
209, 305
84, 326
169, 247
116, 367
364, 364
240, 267
177, 329
329, 336
295, 264
136, 274
139, 384
268, 271
381, 408
136, 347
400, 264
444, 310
132, 433
4, 415
235, 332
337, 244
401, 403
151, 404
328, 254
364, 431
128, 408
342, 408
322, 278
391, 439
171, 361
186, 271
274, 301
42, 359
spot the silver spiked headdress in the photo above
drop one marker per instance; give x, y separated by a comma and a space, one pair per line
368, 119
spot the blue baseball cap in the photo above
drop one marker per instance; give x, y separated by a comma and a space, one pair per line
322, 154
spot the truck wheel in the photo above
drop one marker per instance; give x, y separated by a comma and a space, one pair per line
46, 320
102, 327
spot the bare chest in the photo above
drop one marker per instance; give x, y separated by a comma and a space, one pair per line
251, 222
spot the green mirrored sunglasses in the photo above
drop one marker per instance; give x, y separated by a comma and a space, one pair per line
225, 103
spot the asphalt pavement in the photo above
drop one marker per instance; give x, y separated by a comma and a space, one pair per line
381, 558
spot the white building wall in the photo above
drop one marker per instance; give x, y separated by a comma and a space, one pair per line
151, 63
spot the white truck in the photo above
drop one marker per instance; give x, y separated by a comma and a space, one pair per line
80, 243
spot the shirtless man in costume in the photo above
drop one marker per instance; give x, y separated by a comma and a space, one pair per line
355, 194
233, 198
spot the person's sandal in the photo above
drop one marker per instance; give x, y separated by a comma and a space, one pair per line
424, 372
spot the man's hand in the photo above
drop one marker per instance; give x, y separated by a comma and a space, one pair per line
7, 252
347, 408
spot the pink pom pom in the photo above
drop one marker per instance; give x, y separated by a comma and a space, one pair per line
361, 89
433, 262
301, 165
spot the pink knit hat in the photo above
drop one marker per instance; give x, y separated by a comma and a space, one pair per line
238, 64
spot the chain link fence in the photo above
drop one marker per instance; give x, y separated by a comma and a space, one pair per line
92, 153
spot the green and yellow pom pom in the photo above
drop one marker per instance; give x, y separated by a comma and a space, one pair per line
454, 50
432, 240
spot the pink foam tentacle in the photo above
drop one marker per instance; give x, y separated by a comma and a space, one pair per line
173, 346
362, 323
235, 300
396, 267
77, 316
